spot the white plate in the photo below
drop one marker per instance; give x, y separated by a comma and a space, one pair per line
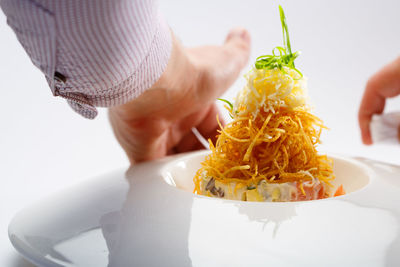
139, 218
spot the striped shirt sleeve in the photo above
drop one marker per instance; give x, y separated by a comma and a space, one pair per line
93, 53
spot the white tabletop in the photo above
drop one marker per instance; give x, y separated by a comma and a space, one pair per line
45, 146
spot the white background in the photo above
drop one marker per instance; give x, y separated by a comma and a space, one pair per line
45, 146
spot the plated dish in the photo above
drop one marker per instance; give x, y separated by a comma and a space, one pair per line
149, 216
269, 150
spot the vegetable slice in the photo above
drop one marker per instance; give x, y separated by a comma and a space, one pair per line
340, 191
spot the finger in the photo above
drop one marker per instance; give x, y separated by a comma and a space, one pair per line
183, 138
207, 127
384, 84
219, 66
372, 103
236, 52
238, 43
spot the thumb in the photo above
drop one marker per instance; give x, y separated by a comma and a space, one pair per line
236, 52
219, 66
237, 45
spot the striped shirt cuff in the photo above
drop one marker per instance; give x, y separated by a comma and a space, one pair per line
145, 75
93, 53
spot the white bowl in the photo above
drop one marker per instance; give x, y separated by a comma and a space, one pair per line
349, 173
149, 217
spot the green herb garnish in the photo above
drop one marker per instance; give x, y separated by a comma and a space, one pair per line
229, 104
281, 56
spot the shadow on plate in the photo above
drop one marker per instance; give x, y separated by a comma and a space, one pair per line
19, 261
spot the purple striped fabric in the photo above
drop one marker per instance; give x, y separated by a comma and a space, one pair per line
93, 52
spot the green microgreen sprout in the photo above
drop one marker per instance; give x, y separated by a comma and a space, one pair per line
281, 56
229, 104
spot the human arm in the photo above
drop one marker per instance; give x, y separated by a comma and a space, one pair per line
93, 53
159, 121
122, 54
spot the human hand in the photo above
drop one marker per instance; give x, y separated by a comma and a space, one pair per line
159, 121
384, 84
